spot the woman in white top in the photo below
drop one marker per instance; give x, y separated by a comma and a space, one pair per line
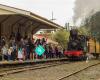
4, 52
20, 54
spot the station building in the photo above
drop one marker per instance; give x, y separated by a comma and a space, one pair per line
13, 20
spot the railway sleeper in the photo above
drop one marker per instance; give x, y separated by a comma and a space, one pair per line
80, 58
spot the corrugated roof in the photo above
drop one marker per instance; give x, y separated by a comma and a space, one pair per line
30, 14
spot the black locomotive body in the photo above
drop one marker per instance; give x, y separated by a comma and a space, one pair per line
77, 45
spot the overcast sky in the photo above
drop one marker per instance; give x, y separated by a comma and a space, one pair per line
62, 9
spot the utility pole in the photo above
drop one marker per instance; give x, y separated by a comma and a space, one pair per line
52, 19
67, 26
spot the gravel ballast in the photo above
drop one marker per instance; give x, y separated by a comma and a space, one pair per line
57, 72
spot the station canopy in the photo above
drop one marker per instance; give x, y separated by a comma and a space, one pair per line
14, 20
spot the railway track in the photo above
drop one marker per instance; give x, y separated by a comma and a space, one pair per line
31, 67
79, 71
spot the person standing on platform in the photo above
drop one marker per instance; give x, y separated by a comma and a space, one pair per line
33, 50
43, 43
36, 44
56, 51
4, 51
24, 53
27, 50
50, 51
46, 50
23, 44
31, 47
14, 51
53, 51
20, 53
10, 50
2, 41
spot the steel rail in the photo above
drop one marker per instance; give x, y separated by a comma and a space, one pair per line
31, 67
76, 72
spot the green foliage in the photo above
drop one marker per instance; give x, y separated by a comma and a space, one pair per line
93, 23
84, 31
62, 37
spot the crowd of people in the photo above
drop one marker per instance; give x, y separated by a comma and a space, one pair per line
23, 48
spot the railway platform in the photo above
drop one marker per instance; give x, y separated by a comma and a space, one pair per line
36, 61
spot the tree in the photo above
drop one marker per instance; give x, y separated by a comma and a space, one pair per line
93, 23
84, 31
62, 37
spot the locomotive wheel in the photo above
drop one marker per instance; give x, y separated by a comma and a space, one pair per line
75, 58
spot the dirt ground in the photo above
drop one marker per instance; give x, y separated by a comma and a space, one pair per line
57, 72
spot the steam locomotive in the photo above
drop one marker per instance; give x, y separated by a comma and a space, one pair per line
77, 45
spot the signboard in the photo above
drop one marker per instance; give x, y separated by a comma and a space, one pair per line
39, 50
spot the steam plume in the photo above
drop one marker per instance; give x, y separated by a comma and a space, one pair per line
84, 8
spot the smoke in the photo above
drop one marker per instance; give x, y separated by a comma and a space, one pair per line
85, 8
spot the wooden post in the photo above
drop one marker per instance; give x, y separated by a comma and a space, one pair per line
0, 31
99, 46
95, 45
